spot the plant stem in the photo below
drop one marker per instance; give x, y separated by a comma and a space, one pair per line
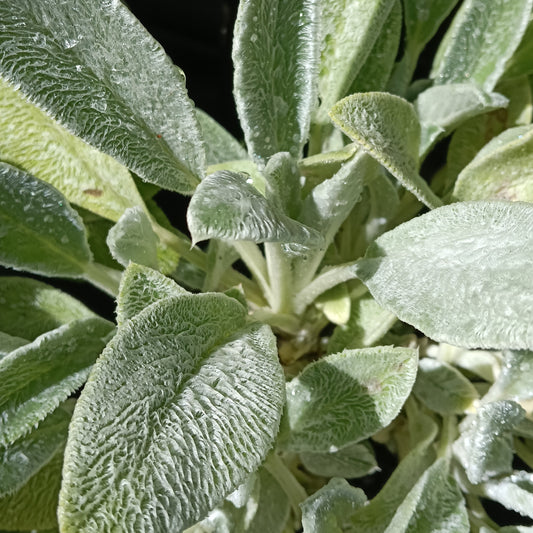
294, 491
105, 278
280, 276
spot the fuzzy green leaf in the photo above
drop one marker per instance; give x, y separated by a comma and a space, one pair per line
226, 206
350, 30
387, 128
475, 252
97, 71
31, 308
521, 63
329, 508
355, 460
8, 343
133, 239
39, 231
220, 393
23, 459
442, 388
433, 505
482, 37
275, 55
282, 183
32, 141
502, 169
140, 287
515, 377
35, 378
442, 108
220, 145
346, 397
485, 447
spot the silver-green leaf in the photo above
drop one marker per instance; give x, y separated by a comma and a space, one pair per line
191, 395
97, 71
477, 252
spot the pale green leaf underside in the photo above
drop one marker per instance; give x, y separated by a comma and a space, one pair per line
191, 396
275, 55
435, 504
515, 377
328, 509
132, 238
387, 128
220, 146
443, 388
226, 206
31, 308
350, 30
442, 108
23, 459
355, 460
140, 287
346, 397
97, 71
39, 231
37, 377
32, 141
482, 37
502, 169
477, 252
485, 447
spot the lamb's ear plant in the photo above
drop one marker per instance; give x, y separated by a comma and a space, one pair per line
383, 299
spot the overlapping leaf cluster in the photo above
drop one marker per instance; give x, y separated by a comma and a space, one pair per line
384, 306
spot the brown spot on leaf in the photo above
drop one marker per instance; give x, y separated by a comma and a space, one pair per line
93, 192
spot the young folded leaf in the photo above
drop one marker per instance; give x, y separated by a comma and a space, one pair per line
40, 146
31, 308
346, 397
191, 395
482, 37
37, 377
98, 72
39, 231
275, 54
477, 252
386, 127
226, 206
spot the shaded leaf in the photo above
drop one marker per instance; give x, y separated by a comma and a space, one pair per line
521, 62
480, 40
387, 128
39, 231
283, 183
478, 252
8, 343
97, 71
275, 56
215, 415
37, 377
346, 397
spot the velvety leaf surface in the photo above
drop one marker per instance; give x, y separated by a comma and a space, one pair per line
521, 63
140, 287
443, 388
8, 343
24, 458
282, 183
38, 376
226, 206
485, 447
475, 252
39, 231
133, 239
482, 37
502, 169
346, 397
181, 407
329, 508
31, 308
219, 144
433, 505
97, 71
387, 128
275, 55
32, 141
349, 33
515, 377
355, 460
